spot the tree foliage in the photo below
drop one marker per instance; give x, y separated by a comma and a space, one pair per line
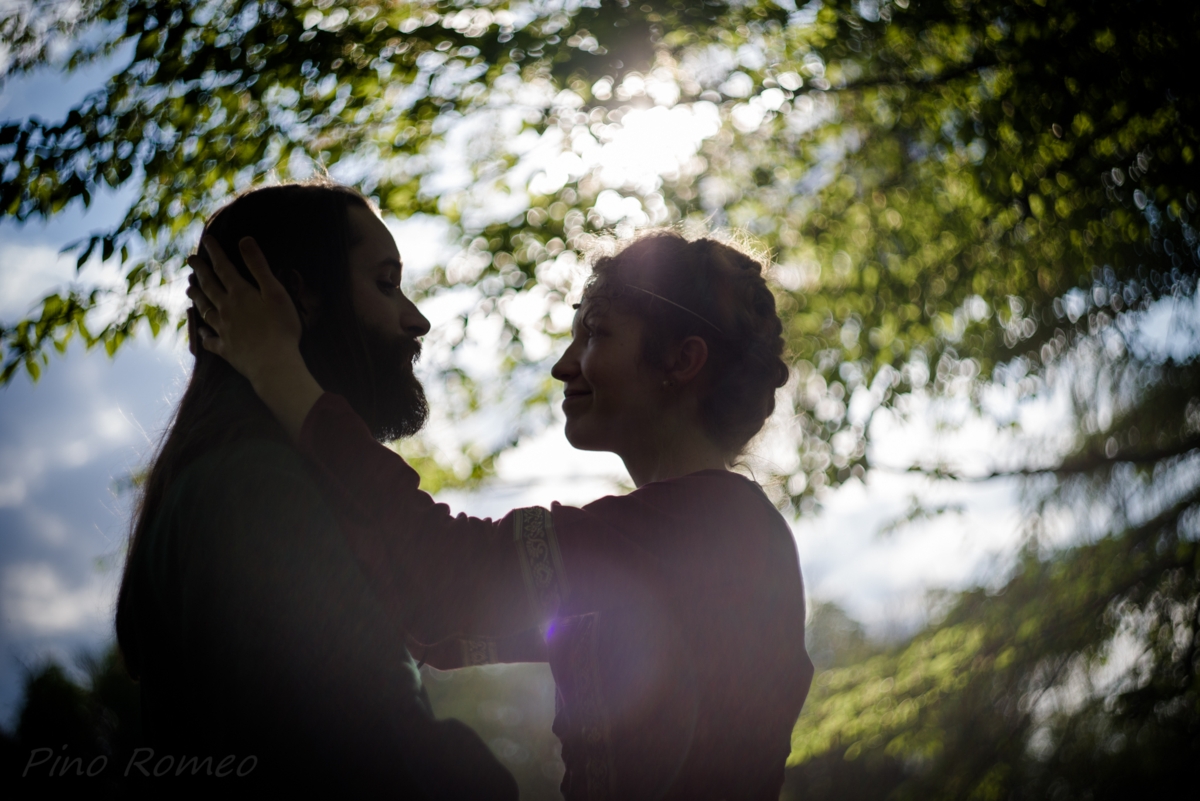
97, 721
1059, 194
954, 192
1075, 679
981, 162
937, 180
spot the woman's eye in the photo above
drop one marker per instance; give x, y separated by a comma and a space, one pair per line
387, 287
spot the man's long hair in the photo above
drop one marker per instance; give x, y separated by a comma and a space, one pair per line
304, 232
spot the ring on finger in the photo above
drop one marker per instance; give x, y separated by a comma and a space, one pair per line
204, 314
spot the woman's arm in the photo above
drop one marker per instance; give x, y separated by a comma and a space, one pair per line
460, 652
442, 575
446, 575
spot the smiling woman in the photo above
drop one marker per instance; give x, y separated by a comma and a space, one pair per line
677, 353
650, 608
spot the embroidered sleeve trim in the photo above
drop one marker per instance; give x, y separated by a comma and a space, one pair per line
598, 769
541, 561
478, 652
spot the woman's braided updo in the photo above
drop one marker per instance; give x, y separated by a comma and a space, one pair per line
704, 288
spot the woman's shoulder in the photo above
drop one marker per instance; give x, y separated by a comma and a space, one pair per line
708, 509
725, 481
700, 490
729, 499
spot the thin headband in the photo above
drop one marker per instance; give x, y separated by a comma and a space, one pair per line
676, 305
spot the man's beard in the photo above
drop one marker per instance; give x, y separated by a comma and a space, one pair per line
384, 392
400, 408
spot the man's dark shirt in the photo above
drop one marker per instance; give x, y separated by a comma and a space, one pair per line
262, 637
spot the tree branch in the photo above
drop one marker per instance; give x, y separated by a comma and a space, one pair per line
1075, 465
932, 80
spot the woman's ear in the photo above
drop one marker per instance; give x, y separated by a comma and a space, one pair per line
308, 302
690, 358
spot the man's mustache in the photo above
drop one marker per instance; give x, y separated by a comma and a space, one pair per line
409, 350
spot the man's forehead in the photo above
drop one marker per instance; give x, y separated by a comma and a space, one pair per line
366, 227
376, 252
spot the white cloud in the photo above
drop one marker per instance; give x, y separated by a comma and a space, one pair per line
25, 462
12, 491
30, 272
36, 600
48, 527
882, 579
27, 274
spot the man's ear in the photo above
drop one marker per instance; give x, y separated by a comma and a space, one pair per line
308, 302
690, 358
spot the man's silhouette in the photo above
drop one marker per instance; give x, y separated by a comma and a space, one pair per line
241, 612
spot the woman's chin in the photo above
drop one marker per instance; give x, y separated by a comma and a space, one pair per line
583, 439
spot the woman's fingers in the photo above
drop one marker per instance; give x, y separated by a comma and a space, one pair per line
253, 328
277, 309
206, 317
206, 310
207, 280
199, 299
193, 331
211, 342
268, 284
223, 267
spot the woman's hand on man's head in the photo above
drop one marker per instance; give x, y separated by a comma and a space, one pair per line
256, 330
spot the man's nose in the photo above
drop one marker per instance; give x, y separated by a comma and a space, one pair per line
414, 323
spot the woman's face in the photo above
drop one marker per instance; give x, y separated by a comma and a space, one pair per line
613, 398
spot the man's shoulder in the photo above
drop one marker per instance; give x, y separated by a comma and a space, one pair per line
235, 483
256, 459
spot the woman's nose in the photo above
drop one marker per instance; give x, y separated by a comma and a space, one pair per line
566, 367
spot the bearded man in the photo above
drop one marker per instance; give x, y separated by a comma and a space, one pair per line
242, 613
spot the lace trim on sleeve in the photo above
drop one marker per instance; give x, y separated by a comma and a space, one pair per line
541, 562
479, 652
599, 772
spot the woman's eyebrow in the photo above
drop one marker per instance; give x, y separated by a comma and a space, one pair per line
390, 262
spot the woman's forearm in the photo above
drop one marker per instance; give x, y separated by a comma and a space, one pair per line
442, 575
289, 391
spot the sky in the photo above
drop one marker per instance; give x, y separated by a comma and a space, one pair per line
69, 442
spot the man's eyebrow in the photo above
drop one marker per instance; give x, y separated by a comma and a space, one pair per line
390, 262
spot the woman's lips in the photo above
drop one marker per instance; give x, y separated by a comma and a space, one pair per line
574, 397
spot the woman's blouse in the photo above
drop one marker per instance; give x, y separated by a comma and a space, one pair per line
672, 617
